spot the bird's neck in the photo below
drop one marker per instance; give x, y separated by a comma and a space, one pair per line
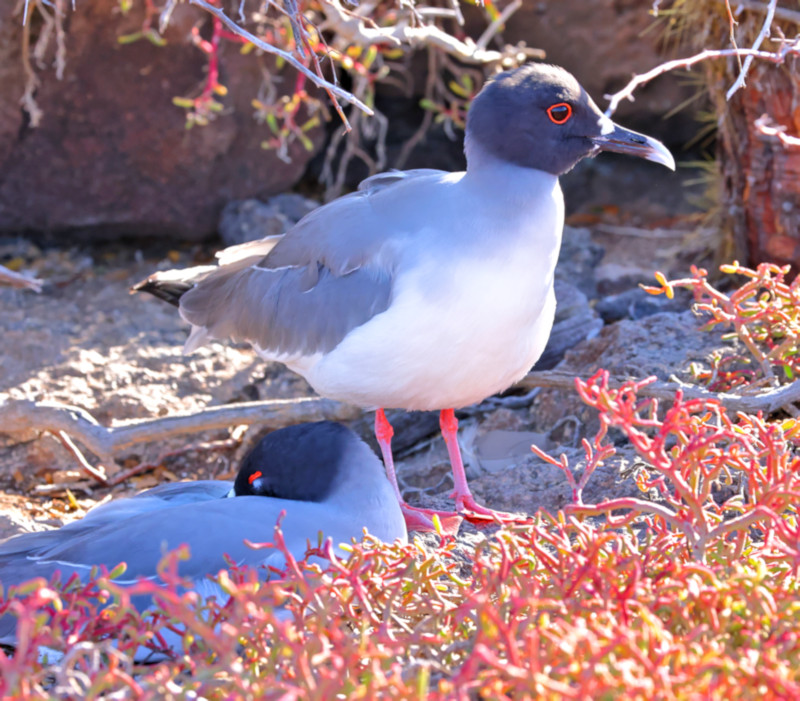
507, 182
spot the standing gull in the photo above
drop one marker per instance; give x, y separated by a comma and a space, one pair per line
423, 290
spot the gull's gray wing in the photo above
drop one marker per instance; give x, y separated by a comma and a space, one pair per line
116, 512
377, 182
212, 531
217, 528
330, 273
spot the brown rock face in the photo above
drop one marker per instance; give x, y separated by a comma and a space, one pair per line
112, 155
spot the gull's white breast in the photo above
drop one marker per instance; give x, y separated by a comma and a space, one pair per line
471, 309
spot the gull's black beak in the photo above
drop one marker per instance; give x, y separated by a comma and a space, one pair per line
620, 140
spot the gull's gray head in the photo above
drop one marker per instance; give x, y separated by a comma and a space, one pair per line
305, 462
538, 116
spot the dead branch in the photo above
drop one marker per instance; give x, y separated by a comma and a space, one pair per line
28, 99
767, 402
772, 133
790, 48
334, 91
19, 280
492, 30
763, 34
21, 416
75, 451
781, 13
353, 29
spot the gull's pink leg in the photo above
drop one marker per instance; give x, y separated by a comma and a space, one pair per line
416, 519
466, 505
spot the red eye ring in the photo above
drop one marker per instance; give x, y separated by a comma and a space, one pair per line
560, 112
252, 478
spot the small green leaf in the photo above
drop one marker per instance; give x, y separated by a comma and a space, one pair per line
372, 54
155, 38
457, 89
307, 144
184, 102
129, 38
118, 571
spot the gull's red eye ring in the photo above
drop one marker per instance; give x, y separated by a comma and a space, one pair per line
559, 113
252, 478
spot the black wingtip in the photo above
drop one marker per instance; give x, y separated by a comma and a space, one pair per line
168, 290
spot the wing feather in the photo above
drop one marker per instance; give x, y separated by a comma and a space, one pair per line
327, 275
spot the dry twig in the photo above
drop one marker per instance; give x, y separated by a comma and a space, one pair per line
20, 417
353, 29
768, 402
334, 91
19, 280
790, 48
782, 13
772, 133
763, 34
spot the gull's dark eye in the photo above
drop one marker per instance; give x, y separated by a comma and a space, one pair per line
559, 113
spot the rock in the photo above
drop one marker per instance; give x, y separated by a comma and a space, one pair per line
504, 474
661, 345
575, 321
112, 155
577, 260
248, 220
635, 303
410, 429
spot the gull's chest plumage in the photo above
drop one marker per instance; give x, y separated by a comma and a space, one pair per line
468, 317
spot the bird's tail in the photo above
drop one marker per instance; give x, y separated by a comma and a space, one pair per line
171, 285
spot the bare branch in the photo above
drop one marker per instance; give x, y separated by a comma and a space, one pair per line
86, 466
19, 280
59, 14
353, 29
763, 125
333, 90
763, 34
768, 402
791, 48
20, 417
780, 12
28, 99
491, 31
68, 423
